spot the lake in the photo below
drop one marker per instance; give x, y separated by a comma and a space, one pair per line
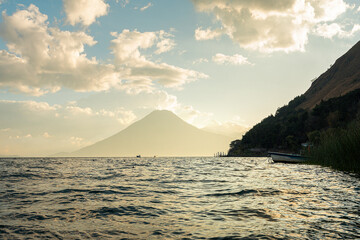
175, 198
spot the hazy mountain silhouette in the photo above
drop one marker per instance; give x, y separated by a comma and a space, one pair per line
342, 77
160, 133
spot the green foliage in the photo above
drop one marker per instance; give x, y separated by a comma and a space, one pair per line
292, 126
235, 148
336, 112
314, 137
339, 148
284, 130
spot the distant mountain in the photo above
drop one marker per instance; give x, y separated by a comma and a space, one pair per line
8, 156
231, 130
61, 154
342, 77
161, 133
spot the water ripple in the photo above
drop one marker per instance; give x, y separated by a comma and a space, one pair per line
175, 198
253, 192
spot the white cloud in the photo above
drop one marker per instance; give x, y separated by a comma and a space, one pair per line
328, 31
77, 141
43, 59
138, 69
355, 29
124, 117
334, 29
165, 43
123, 2
46, 135
84, 12
232, 129
141, 103
145, 102
207, 34
200, 60
192, 115
146, 7
21, 137
236, 59
269, 25
165, 101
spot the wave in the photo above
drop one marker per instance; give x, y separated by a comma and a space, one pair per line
256, 192
139, 211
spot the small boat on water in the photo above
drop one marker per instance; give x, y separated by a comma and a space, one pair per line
287, 158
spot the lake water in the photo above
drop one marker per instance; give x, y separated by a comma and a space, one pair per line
175, 198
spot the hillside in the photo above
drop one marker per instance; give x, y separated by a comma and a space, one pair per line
342, 77
332, 102
161, 133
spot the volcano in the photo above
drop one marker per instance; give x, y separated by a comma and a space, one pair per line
161, 133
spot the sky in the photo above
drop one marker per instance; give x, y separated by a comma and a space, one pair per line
75, 72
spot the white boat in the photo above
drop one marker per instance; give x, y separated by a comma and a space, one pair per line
287, 158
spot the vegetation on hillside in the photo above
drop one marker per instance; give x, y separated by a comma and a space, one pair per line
291, 125
339, 148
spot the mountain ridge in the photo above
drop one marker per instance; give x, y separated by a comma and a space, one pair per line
342, 77
161, 133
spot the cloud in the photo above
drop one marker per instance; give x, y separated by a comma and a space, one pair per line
192, 115
20, 137
200, 60
269, 25
84, 12
43, 59
236, 59
140, 103
123, 2
205, 120
46, 135
207, 34
77, 141
138, 69
146, 6
232, 129
145, 102
334, 29
165, 43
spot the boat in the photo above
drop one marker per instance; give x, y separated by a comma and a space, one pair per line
287, 157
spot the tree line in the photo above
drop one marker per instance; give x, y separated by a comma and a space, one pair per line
291, 126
